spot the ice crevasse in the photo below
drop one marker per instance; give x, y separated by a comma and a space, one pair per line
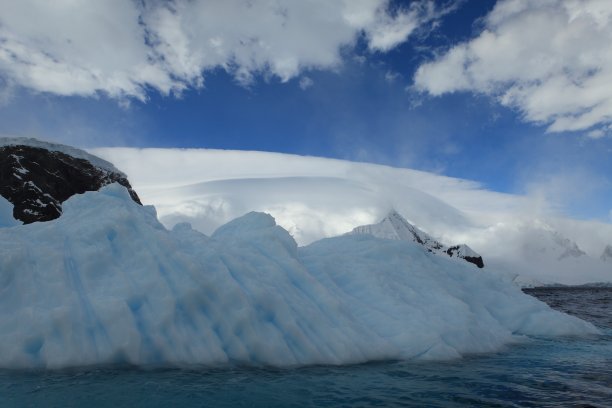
107, 283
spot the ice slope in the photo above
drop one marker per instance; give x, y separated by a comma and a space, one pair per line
107, 283
6, 214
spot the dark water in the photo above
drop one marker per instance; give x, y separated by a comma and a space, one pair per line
540, 373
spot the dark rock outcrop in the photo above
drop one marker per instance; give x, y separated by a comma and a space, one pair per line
465, 252
37, 177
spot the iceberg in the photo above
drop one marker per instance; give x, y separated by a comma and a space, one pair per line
106, 283
6, 214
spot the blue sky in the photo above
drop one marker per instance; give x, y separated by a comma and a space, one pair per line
435, 97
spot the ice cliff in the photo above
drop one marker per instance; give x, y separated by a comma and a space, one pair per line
107, 283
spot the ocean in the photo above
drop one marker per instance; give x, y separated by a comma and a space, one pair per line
539, 372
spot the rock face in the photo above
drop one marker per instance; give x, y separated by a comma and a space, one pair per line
37, 177
394, 226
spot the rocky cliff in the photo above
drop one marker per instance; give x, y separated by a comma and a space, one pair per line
37, 177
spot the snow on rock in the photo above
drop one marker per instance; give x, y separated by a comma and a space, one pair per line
394, 226
37, 177
56, 147
107, 283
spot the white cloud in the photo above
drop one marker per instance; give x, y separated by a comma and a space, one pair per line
305, 83
550, 59
596, 134
388, 31
122, 48
315, 198
221, 185
391, 76
563, 188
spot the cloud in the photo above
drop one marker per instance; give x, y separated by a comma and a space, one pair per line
549, 59
124, 48
388, 31
314, 198
575, 187
305, 83
392, 76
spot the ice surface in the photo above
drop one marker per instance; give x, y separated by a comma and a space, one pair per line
107, 283
6, 214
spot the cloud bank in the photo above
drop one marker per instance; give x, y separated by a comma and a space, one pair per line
125, 48
314, 198
550, 59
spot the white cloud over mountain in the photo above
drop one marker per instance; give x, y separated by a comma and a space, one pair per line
550, 59
123, 48
314, 198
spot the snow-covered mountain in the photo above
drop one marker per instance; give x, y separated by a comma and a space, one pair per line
545, 241
37, 177
394, 226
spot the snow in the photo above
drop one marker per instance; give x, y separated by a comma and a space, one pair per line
6, 214
107, 283
396, 227
56, 147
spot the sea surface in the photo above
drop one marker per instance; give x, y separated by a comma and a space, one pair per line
566, 372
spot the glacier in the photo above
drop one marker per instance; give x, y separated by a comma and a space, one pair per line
107, 283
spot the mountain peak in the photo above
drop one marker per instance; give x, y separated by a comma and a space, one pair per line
394, 226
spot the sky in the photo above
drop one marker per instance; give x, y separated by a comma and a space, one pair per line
512, 94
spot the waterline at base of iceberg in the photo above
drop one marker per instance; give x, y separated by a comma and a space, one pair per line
542, 372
